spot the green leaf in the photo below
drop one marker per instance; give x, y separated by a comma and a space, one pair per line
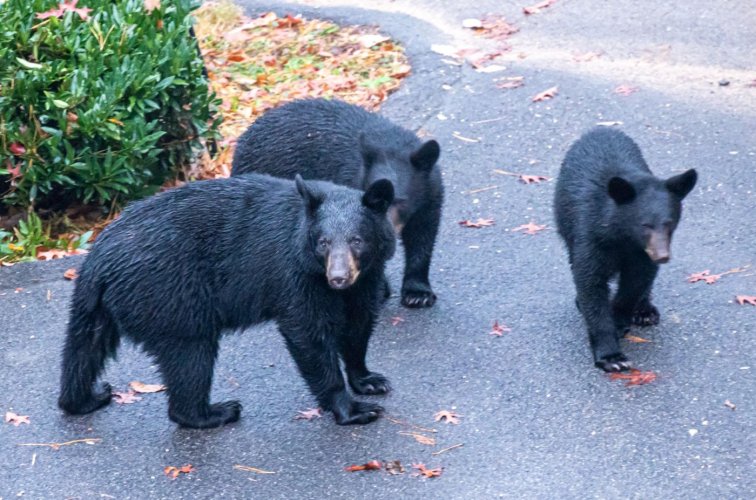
28, 64
60, 104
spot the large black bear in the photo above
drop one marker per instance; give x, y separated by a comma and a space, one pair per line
343, 143
178, 269
615, 218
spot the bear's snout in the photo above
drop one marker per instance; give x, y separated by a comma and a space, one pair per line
658, 247
341, 269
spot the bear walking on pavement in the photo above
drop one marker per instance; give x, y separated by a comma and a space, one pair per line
615, 218
345, 144
178, 269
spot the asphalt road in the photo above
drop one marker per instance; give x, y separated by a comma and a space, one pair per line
537, 420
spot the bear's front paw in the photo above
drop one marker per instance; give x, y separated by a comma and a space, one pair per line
646, 315
418, 295
214, 415
357, 413
99, 397
370, 384
614, 363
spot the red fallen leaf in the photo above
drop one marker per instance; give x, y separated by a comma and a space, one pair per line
546, 94
150, 5
637, 340
236, 56
289, 21
371, 465
173, 472
64, 7
16, 148
71, 274
625, 90
143, 388
477, 224
635, 377
126, 398
535, 9
426, 472
746, 299
533, 179
310, 414
13, 418
396, 320
530, 228
14, 171
447, 416
511, 82
498, 330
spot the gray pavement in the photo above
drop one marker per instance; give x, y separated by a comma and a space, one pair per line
538, 421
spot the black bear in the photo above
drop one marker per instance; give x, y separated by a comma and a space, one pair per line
345, 144
178, 269
615, 218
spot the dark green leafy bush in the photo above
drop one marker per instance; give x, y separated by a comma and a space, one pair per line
97, 105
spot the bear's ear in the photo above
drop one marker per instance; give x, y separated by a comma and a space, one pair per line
426, 156
682, 184
621, 190
311, 198
379, 196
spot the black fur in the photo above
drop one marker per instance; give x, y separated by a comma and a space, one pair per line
342, 143
616, 218
178, 269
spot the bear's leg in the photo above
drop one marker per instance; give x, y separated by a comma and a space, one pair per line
318, 362
593, 302
353, 349
187, 367
419, 237
632, 304
90, 339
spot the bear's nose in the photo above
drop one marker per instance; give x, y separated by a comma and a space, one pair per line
338, 282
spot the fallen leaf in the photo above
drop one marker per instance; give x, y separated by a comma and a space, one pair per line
372, 40
420, 438
15, 419
426, 472
126, 398
530, 228
396, 320
625, 90
635, 377
477, 224
535, 9
143, 388
309, 414
729, 405
710, 279
491, 68
746, 299
496, 27
447, 416
71, 274
585, 56
511, 82
546, 94
150, 5
14, 171
16, 148
498, 330
637, 340
173, 472
394, 467
371, 465
252, 469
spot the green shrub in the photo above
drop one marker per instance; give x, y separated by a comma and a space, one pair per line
99, 106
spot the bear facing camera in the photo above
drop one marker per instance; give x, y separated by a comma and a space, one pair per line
616, 219
179, 269
339, 142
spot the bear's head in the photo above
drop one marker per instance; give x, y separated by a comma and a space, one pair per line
346, 232
647, 210
408, 167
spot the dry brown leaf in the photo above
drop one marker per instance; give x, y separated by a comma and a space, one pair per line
511, 82
247, 468
710, 279
173, 472
496, 27
15, 419
625, 90
420, 438
746, 299
447, 416
535, 9
585, 56
546, 94
371, 465
635, 377
126, 398
530, 228
71, 274
143, 388
637, 340
477, 224
396, 320
426, 472
498, 330
394, 467
309, 414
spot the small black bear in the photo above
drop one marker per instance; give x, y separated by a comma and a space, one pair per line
345, 144
178, 269
615, 218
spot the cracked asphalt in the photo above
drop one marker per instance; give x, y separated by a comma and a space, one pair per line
537, 420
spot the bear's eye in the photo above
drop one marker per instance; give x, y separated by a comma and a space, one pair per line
648, 226
323, 243
356, 242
